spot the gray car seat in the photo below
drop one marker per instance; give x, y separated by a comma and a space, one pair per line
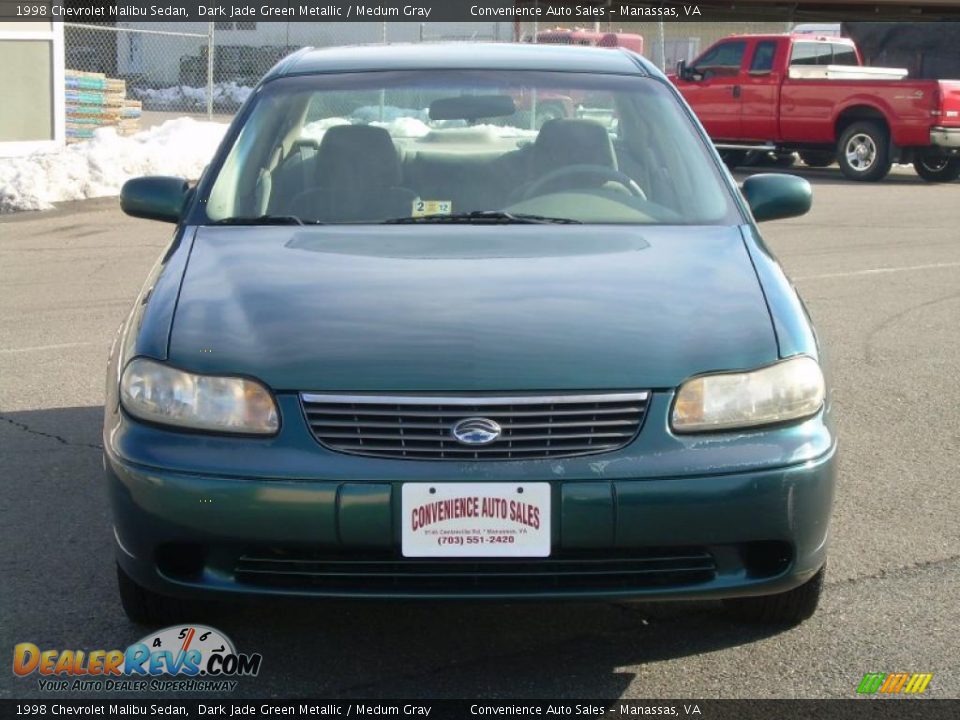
563, 142
567, 143
357, 178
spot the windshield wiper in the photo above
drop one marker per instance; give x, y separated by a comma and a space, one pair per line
265, 220
484, 216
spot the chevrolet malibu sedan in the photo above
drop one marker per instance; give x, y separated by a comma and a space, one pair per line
412, 341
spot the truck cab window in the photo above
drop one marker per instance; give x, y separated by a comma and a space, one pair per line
844, 55
723, 59
763, 57
811, 53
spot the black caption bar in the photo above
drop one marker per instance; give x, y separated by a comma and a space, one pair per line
548, 12
872, 709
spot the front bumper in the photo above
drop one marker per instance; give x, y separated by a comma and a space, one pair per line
945, 137
723, 535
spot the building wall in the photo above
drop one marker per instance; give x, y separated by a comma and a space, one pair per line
31, 85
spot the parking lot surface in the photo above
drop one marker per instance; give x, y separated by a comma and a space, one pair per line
879, 268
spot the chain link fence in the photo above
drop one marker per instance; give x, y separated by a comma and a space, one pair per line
208, 69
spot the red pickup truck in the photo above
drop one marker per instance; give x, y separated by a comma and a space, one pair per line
787, 93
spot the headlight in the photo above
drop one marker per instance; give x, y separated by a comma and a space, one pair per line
788, 390
155, 392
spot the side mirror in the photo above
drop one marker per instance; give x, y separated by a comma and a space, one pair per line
154, 198
682, 71
774, 196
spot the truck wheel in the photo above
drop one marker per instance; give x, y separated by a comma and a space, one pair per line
937, 169
784, 160
817, 158
789, 608
864, 151
145, 607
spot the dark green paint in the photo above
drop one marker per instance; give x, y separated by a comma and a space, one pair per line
774, 196
364, 515
470, 308
155, 198
503, 308
587, 515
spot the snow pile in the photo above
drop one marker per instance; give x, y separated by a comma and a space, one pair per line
99, 167
184, 97
507, 131
404, 127
315, 130
369, 113
398, 127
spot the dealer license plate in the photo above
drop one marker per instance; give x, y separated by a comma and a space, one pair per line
476, 519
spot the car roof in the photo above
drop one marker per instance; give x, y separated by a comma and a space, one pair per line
463, 56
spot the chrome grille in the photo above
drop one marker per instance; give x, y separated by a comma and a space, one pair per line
419, 427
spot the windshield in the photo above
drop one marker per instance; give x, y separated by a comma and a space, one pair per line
423, 146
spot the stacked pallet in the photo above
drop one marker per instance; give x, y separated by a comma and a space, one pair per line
93, 101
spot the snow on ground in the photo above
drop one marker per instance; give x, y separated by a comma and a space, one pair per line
180, 147
99, 167
184, 97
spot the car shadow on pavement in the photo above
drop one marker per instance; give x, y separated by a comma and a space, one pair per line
58, 547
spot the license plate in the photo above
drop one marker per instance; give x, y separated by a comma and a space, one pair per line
476, 519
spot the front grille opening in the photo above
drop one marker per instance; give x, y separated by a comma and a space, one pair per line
183, 561
385, 572
766, 559
416, 428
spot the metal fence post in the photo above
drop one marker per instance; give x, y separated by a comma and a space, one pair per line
663, 45
210, 46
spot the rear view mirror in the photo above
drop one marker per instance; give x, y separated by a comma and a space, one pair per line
685, 72
154, 197
774, 196
472, 107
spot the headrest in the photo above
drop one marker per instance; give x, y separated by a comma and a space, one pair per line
564, 142
358, 154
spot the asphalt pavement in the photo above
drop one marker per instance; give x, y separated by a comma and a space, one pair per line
879, 268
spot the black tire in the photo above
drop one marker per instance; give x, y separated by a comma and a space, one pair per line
733, 158
937, 169
874, 163
818, 158
784, 160
145, 607
789, 608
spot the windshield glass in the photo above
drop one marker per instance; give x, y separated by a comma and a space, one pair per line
423, 146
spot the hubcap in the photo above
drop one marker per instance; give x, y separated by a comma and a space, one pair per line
861, 152
934, 164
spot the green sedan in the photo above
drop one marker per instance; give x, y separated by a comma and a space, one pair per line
468, 321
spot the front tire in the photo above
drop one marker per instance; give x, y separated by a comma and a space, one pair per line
145, 607
789, 608
937, 169
864, 151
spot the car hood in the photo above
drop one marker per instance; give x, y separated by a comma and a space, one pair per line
440, 308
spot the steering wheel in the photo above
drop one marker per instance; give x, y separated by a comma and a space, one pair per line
600, 172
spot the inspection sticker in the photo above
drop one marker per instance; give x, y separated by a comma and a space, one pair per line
431, 207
